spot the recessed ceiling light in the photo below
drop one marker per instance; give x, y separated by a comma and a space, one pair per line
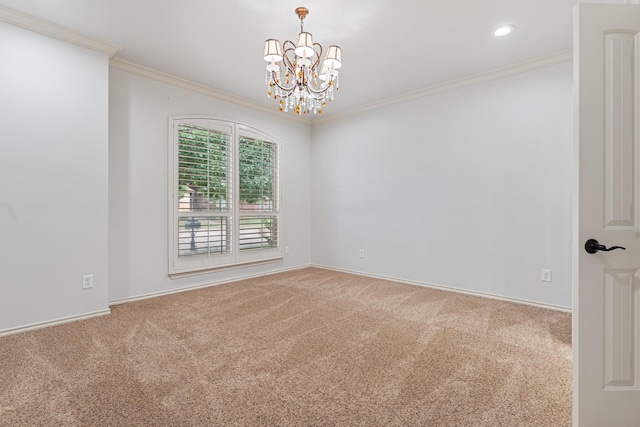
503, 31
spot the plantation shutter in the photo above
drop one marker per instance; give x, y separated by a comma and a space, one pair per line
258, 194
204, 191
225, 195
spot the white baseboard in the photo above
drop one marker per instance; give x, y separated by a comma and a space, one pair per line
62, 320
53, 322
449, 288
68, 319
205, 285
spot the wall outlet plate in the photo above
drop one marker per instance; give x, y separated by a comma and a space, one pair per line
546, 275
87, 281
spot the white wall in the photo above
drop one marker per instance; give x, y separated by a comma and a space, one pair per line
139, 112
467, 189
53, 178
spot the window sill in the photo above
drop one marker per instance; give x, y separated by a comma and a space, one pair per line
224, 267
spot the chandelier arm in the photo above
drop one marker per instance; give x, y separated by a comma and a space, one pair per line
285, 58
319, 54
313, 91
287, 90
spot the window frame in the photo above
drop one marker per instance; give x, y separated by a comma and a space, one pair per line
185, 266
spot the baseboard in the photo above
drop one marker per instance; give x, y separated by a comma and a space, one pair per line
449, 288
68, 319
53, 322
205, 285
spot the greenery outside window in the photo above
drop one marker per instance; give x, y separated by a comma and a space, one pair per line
224, 195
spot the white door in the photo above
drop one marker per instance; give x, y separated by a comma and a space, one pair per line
606, 285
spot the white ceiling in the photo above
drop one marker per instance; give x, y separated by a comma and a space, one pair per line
389, 48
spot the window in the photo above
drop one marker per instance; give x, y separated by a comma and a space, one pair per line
224, 195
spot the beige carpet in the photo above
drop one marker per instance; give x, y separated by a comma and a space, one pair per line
309, 348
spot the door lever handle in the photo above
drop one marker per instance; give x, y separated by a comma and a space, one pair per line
592, 246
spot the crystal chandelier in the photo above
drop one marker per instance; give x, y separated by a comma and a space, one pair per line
307, 86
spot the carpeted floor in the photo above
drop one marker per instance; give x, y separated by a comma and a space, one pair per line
310, 347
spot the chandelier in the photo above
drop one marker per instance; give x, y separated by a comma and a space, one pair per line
307, 86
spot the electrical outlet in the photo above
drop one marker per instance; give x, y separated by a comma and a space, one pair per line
361, 253
87, 281
286, 250
546, 275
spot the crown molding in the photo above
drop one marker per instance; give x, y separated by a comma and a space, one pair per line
38, 25
150, 73
519, 68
